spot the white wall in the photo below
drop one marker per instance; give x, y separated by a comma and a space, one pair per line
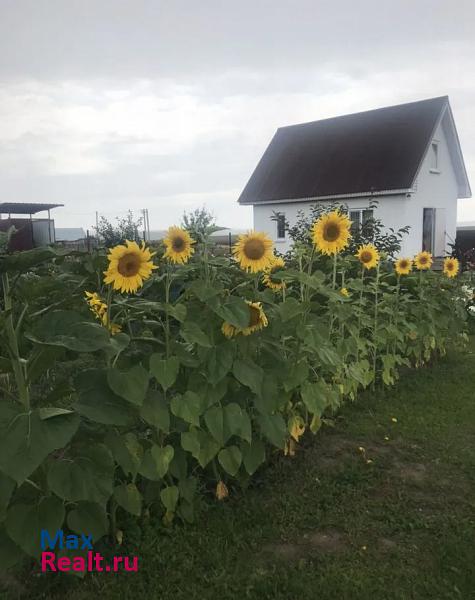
432, 190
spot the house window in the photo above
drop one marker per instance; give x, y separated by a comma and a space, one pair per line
428, 229
280, 226
434, 157
360, 217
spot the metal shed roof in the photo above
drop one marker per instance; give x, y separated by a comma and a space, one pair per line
25, 208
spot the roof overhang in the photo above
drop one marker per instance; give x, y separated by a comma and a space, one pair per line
367, 195
25, 208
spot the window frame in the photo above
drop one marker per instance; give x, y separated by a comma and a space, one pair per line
434, 153
280, 222
360, 211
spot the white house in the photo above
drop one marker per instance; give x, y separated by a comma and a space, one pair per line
407, 157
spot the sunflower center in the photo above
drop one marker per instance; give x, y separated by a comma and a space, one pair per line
178, 244
254, 249
423, 260
129, 265
254, 316
331, 232
403, 264
450, 266
366, 256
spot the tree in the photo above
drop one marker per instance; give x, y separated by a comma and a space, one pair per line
199, 222
127, 228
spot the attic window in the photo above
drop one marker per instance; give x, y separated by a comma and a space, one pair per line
434, 157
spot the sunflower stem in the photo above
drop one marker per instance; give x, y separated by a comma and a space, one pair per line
375, 331
16, 360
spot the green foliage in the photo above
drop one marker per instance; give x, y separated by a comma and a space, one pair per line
100, 427
126, 228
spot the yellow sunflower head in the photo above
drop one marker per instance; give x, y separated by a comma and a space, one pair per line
368, 256
274, 284
257, 321
229, 330
423, 261
129, 266
257, 318
331, 232
179, 245
451, 267
403, 266
254, 251
345, 292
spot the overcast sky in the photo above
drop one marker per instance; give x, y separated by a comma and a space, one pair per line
111, 104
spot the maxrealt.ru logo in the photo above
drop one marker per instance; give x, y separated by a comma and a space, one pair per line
92, 561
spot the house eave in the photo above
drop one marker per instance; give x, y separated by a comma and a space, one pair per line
368, 195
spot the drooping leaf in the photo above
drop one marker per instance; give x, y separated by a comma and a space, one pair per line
274, 429
162, 457
169, 497
155, 411
129, 498
131, 385
249, 374
220, 362
26, 439
187, 407
230, 459
88, 518
193, 334
126, 450
253, 455
165, 371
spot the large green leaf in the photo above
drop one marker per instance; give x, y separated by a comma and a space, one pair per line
290, 309
21, 262
128, 497
126, 450
250, 374
315, 396
295, 375
98, 402
87, 475
274, 429
10, 553
26, 439
155, 411
193, 334
214, 420
169, 497
230, 459
131, 385
253, 455
234, 311
165, 371
162, 457
88, 518
187, 407
24, 523
7, 485
236, 422
220, 362
68, 329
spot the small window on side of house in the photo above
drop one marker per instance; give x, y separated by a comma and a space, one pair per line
367, 215
434, 156
280, 226
355, 218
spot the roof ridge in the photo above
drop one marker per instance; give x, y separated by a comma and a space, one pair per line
362, 112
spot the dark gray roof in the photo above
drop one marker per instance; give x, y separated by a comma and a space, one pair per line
25, 208
374, 151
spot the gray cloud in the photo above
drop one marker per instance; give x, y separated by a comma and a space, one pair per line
111, 104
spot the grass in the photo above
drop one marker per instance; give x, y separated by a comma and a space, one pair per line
393, 521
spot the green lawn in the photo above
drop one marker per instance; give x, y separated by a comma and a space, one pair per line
394, 521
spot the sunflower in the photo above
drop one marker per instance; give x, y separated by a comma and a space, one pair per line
345, 292
257, 321
451, 267
229, 330
331, 232
368, 256
257, 318
423, 261
97, 306
274, 284
129, 266
403, 266
178, 243
253, 251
